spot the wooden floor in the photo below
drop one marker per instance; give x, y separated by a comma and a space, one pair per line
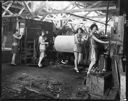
15, 77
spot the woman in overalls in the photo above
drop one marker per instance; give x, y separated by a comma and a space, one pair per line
78, 48
93, 46
42, 47
15, 44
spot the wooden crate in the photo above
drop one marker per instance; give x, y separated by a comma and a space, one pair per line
98, 85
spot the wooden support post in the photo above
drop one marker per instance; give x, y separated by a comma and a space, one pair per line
122, 78
106, 18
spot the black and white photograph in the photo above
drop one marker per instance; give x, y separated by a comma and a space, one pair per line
64, 50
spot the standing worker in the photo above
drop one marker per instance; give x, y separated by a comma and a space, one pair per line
93, 46
16, 39
42, 47
78, 48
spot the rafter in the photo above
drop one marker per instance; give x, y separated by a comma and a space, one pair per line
7, 9
43, 17
78, 10
67, 7
78, 5
100, 16
5, 3
20, 12
93, 5
14, 15
17, 7
109, 19
66, 23
100, 13
26, 5
87, 18
87, 14
72, 27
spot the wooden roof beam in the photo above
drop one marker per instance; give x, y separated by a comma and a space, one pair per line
7, 9
14, 15
43, 17
99, 13
72, 27
93, 5
78, 5
5, 3
100, 16
20, 12
87, 18
67, 6
79, 10
109, 19
27, 7
87, 13
78, 17
13, 6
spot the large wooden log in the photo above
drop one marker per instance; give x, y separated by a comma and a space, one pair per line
64, 43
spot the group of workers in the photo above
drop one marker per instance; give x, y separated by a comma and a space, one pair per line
92, 39
78, 41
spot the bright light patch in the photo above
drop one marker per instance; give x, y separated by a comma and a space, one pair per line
58, 5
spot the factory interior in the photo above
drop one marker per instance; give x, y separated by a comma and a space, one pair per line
42, 57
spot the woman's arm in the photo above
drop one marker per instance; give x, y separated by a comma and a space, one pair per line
41, 41
100, 41
17, 37
85, 38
